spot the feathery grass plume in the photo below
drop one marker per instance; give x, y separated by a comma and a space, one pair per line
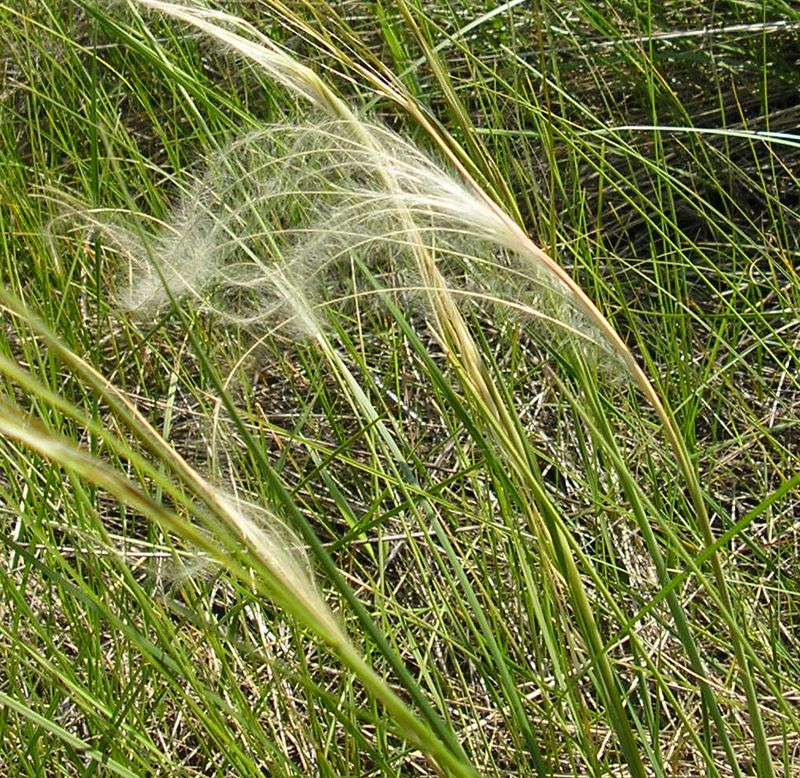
420, 201
288, 581
287, 573
269, 233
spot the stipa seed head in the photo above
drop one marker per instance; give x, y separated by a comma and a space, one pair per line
284, 219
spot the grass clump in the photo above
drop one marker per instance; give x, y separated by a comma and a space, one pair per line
315, 463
